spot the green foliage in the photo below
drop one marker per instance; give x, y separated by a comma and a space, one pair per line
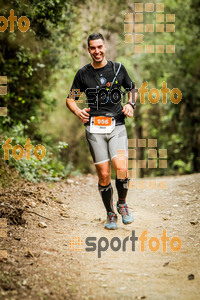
176, 127
28, 60
50, 168
41, 63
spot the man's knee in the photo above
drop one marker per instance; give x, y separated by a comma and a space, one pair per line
122, 173
104, 177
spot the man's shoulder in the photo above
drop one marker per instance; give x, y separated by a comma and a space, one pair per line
115, 62
84, 68
117, 65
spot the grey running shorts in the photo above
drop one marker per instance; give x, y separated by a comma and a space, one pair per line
104, 146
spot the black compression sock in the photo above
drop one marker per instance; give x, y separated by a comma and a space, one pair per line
122, 189
106, 193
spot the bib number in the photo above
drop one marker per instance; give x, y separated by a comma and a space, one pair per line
100, 124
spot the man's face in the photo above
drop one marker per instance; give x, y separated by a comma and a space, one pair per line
97, 50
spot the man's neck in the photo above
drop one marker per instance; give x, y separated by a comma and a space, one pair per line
98, 65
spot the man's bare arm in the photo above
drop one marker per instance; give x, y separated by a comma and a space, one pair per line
127, 109
132, 95
82, 114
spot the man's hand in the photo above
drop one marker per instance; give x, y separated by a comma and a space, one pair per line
128, 110
83, 115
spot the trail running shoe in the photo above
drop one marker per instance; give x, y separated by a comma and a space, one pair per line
111, 221
123, 210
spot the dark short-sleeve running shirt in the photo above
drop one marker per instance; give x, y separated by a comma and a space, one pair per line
95, 84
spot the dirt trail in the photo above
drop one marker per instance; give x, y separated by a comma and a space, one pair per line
41, 264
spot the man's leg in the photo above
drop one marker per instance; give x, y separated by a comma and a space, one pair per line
121, 181
106, 192
98, 147
118, 149
120, 165
104, 184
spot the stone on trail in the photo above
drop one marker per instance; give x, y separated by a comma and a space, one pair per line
194, 222
70, 181
42, 225
29, 253
190, 276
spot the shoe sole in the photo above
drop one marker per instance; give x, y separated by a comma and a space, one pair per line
127, 222
110, 228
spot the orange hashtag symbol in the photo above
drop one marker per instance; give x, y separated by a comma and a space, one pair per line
74, 244
75, 93
152, 163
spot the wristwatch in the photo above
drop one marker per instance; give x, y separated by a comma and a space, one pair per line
132, 104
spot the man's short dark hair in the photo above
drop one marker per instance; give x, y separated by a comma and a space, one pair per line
95, 36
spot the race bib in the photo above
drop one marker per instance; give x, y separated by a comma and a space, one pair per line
100, 124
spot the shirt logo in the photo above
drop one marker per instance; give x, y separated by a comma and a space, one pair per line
103, 80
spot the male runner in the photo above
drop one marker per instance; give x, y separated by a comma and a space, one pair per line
106, 134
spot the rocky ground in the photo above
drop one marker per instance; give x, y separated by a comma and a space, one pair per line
44, 220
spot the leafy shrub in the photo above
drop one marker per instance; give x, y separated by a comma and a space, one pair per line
50, 168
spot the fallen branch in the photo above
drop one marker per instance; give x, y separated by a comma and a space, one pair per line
32, 212
28, 211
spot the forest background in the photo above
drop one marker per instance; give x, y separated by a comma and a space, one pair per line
40, 65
